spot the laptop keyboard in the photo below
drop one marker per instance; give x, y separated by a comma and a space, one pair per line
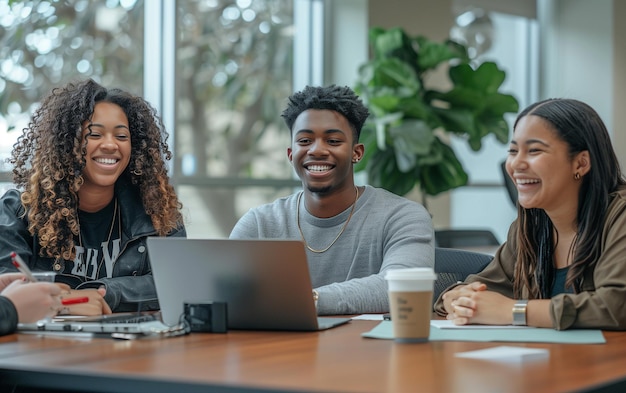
129, 319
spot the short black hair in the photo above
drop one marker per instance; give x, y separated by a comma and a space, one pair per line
342, 100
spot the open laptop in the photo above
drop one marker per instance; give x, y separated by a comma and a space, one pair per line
264, 282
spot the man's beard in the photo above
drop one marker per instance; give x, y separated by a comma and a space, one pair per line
320, 190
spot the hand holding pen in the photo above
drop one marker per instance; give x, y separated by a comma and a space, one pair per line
32, 301
19, 263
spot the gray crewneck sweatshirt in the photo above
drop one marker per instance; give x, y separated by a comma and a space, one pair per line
385, 232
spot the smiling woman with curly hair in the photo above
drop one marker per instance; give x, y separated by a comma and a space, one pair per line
93, 184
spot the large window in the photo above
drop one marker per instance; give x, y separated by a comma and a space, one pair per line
233, 73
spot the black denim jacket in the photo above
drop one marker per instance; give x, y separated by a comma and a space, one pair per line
131, 287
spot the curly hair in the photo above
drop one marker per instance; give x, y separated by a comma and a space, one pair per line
339, 99
580, 126
49, 157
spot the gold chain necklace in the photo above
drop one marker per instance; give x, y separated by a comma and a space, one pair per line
340, 232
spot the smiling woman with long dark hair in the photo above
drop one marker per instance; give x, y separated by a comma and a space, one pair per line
563, 264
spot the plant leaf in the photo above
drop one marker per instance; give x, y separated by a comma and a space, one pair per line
431, 53
391, 73
381, 124
449, 174
393, 43
412, 137
383, 172
458, 120
486, 78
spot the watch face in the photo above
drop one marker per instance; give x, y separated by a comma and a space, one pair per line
519, 313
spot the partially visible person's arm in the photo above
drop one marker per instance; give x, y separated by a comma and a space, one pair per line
8, 316
31, 301
14, 235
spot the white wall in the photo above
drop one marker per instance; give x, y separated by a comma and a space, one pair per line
346, 36
577, 52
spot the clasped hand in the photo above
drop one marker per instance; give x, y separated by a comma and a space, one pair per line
473, 303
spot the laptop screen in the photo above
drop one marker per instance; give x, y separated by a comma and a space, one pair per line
265, 282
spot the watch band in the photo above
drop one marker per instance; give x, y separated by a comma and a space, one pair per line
519, 313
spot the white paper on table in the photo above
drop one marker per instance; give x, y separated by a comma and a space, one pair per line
507, 354
446, 324
369, 317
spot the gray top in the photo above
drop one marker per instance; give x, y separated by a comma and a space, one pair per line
385, 232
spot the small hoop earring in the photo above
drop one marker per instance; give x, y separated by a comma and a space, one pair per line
576, 176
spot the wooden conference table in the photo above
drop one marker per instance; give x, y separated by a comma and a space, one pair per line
336, 360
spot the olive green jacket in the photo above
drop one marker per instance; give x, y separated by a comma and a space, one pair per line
601, 304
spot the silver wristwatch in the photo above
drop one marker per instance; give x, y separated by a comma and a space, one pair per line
519, 312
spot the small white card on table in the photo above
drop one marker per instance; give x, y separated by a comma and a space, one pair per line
507, 354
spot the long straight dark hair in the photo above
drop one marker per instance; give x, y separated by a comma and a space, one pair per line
580, 126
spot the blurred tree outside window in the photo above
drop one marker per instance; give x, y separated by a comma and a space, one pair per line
233, 75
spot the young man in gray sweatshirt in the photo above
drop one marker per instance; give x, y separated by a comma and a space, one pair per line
353, 234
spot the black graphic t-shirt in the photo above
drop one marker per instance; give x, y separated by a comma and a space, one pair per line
99, 244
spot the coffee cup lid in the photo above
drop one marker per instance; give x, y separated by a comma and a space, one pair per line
414, 273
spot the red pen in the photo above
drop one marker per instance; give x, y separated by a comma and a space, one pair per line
74, 300
22, 266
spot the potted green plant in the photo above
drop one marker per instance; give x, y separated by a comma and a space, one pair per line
408, 132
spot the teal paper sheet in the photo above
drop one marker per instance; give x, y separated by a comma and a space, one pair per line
536, 335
